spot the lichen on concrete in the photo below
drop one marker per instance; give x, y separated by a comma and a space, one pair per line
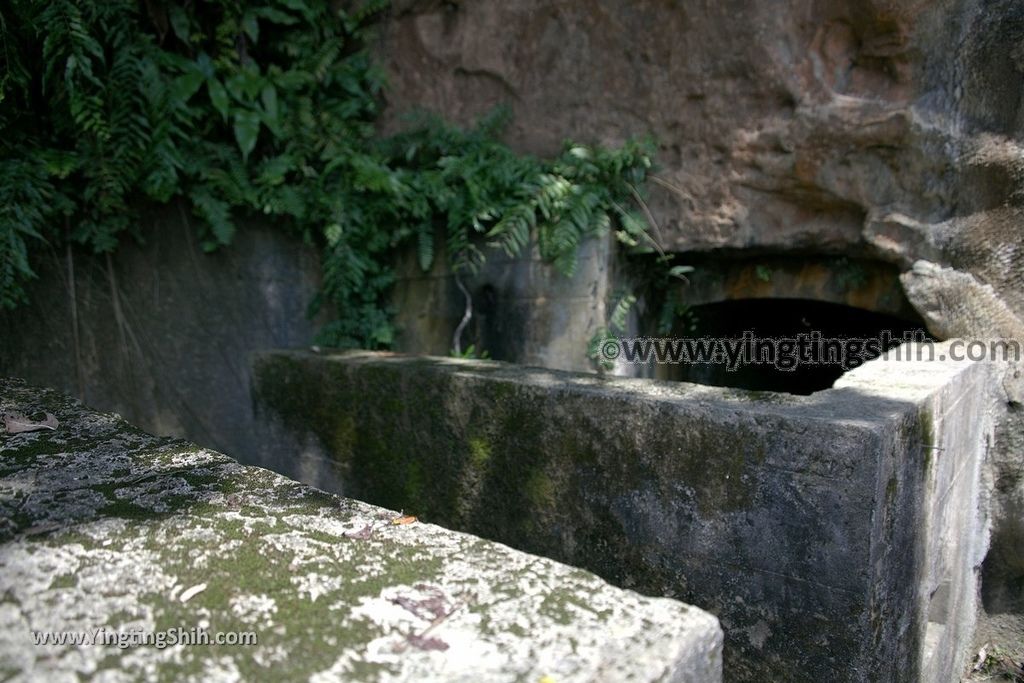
108, 529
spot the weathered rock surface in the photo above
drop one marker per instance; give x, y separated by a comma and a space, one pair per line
891, 129
835, 535
104, 527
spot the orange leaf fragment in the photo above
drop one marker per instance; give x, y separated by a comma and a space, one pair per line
405, 519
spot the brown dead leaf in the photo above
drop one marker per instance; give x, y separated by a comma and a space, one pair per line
404, 519
361, 535
15, 423
426, 642
434, 606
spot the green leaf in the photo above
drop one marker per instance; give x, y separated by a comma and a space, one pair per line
274, 170
217, 215
276, 16
245, 84
269, 99
251, 26
186, 85
218, 96
205, 65
179, 23
59, 163
247, 129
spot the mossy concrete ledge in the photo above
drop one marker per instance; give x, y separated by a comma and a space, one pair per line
836, 536
107, 530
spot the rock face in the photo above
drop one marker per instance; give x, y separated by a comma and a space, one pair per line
107, 532
747, 114
835, 535
887, 128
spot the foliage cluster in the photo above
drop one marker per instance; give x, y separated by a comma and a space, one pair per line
234, 109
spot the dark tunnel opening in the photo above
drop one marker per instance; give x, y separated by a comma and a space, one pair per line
800, 346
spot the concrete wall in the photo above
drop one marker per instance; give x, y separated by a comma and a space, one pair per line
523, 309
161, 333
835, 536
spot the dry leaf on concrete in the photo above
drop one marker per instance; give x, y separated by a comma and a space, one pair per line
361, 535
406, 519
426, 643
16, 423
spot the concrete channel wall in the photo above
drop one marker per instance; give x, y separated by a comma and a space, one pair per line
835, 535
